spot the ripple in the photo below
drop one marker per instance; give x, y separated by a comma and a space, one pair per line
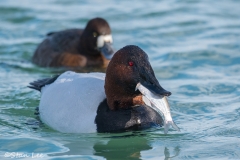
30, 145
193, 47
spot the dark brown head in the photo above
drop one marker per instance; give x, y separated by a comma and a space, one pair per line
97, 39
128, 67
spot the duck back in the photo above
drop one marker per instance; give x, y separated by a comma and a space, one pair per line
57, 44
73, 98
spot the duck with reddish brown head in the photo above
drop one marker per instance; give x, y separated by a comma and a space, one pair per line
130, 99
89, 47
130, 66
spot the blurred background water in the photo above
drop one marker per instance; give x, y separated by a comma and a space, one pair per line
193, 46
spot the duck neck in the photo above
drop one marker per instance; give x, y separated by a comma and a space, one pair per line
124, 102
87, 50
94, 56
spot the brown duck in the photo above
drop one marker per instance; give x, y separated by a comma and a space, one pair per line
89, 47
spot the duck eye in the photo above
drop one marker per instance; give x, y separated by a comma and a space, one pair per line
130, 63
94, 34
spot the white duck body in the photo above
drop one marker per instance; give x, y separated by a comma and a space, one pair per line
70, 103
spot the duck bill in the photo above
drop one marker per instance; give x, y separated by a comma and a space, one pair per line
155, 97
148, 79
107, 50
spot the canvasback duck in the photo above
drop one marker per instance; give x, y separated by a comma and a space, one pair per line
89, 47
127, 97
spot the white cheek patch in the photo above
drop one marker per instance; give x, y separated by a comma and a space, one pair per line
104, 38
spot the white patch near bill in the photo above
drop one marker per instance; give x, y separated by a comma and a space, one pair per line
104, 38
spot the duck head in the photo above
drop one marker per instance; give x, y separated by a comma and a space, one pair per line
128, 67
97, 39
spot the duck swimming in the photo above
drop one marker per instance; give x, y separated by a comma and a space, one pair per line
127, 97
89, 47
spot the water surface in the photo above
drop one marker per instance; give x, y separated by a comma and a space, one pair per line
193, 46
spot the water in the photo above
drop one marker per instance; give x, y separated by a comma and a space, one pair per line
195, 52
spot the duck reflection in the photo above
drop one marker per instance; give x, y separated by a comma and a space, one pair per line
122, 148
167, 153
130, 147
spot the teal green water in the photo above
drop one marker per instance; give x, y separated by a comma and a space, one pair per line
193, 46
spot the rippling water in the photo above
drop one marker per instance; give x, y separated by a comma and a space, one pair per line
194, 48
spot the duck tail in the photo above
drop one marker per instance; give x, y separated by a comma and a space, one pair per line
37, 85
